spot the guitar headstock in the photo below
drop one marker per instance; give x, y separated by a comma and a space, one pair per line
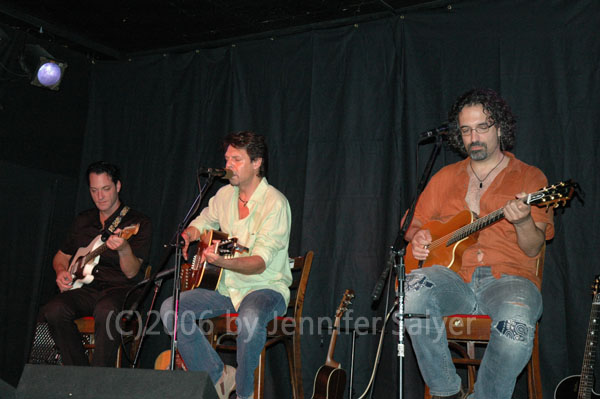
230, 247
129, 231
346, 301
596, 286
554, 195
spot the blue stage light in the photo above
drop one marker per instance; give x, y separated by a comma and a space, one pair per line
42, 68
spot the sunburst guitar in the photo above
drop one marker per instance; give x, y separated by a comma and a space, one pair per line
85, 260
451, 239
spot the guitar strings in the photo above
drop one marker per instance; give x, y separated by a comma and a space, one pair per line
466, 230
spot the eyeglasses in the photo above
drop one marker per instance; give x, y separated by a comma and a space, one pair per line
481, 128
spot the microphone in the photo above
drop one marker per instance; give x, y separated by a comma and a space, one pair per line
215, 172
127, 318
158, 276
440, 130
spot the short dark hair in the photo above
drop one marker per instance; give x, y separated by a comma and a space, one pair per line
494, 106
254, 144
100, 167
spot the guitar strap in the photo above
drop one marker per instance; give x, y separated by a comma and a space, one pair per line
113, 226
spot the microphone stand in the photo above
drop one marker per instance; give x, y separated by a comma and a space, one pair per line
177, 281
396, 261
157, 285
158, 275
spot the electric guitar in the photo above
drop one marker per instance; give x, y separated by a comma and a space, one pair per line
451, 239
200, 273
330, 380
83, 263
580, 386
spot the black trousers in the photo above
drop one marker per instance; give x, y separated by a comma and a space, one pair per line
101, 302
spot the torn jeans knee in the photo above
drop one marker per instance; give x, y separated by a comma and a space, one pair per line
414, 282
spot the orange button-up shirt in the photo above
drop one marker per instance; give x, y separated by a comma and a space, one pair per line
444, 197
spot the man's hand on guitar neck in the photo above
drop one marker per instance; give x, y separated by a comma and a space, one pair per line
117, 243
516, 211
247, 265
530, 234
130, 264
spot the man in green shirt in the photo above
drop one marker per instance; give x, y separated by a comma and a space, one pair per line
253, 284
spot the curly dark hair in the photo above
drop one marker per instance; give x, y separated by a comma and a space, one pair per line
254, 144
497, 110
100, 167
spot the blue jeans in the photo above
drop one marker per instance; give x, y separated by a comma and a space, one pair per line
513, 303
255, 312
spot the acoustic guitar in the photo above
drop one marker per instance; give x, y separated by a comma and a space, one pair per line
451, 239
163, 361
200, 273
85, 260
330, 380
581, 386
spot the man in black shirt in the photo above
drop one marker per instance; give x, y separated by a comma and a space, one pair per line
116, 272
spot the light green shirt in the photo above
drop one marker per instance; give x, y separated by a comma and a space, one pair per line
265, 231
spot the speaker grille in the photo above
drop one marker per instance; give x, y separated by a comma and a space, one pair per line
44, 350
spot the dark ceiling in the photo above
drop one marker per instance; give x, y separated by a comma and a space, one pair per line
114, 29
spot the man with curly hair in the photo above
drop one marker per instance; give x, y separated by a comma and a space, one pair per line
498, 276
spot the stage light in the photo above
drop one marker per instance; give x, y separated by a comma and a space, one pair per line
43, 69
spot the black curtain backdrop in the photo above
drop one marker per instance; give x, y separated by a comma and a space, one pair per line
41, 136
342, 109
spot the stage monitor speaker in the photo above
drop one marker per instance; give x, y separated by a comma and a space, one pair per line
74, 382
7, 391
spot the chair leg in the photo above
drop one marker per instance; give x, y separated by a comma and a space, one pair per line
298, 364
119, 361
534, 383
290, 355
471, 369
427, 394
259, 376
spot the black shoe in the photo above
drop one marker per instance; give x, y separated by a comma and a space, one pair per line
459, 395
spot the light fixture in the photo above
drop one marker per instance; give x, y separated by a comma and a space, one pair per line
43, 69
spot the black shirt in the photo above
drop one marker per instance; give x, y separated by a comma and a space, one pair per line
87, 226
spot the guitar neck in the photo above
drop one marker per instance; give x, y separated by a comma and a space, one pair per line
487, 220
126, 234
329, 361
589, 356
346, 300
477, 225
95, 252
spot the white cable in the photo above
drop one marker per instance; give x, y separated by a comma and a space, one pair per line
379, 347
